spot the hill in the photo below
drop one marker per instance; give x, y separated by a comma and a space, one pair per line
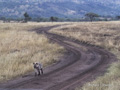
59, 8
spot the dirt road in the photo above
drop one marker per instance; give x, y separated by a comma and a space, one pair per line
82, 63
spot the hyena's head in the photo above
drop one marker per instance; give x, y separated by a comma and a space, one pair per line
35, 65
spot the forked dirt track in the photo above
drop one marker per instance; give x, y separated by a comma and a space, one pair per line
82, 63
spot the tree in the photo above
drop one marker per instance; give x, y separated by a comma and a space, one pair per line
91, 16
53, 19
118, 17
27, 17
3, 19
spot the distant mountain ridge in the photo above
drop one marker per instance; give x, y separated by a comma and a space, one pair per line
59, 8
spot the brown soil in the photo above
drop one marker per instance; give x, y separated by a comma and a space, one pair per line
77, 67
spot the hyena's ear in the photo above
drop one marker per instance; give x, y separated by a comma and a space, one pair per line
33, 63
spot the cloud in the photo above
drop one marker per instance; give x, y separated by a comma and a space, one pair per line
76, 1
70, 12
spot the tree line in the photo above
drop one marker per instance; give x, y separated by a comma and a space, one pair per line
87, 17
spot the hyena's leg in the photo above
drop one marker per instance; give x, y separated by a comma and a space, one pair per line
38, 72
35, 74
41, 70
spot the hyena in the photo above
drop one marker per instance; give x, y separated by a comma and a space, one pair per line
38, 69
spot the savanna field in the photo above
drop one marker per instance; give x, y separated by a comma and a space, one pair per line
20, 47
104, 34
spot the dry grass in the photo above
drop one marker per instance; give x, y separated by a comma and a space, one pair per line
104, 34
19, 48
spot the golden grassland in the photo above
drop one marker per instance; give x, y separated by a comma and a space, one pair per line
19, 48
104, 34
